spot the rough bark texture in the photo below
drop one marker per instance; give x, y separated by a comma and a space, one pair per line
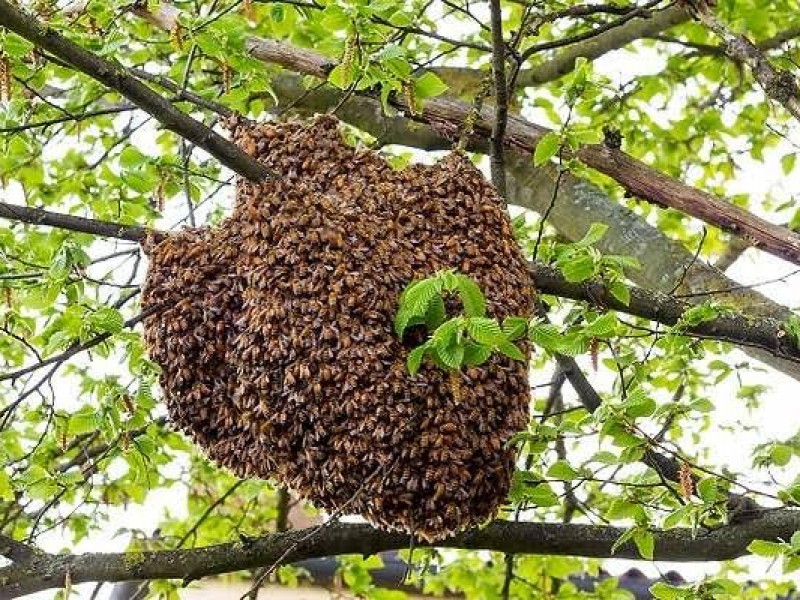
49, 571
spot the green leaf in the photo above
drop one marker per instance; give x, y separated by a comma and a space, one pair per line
541, 494
472, 297
446, 334
603, 326
547, 148
698, 314
577, 269
511, 350
334, 18
107, 320
15, 46
476, 354
485, 331
676, 517
645, 542
515, 327
766, 549
791, 563
83, 421
341, 76
563, 471
6, 489
415, 357
452, 356
781, 454
788, 162
620, 291
707, 489
638, 404
622, 539
131, 158
664, 591
573, 344
415, 302
428, 86
436, 314
596, 233
794, 541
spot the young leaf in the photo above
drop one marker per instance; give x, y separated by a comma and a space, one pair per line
435, 314
485, 331
471, 296
428, 86
579, 268
446, 334
546, 148
341, 76
546, 335
476, 354
511, 350
515, 327
451, 356
620, 291
414, 360
645, 542
415, 302
602, 326
766, 549
594, 235
107, 319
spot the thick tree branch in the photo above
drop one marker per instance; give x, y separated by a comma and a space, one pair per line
117, 78
636, 177
17, 552
763, 333
767, 334
724, 543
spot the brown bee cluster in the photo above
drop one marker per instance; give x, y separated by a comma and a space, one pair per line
275, 332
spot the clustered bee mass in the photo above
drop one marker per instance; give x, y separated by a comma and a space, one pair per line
276, 343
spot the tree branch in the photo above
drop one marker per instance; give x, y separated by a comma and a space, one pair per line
636, 177
17, 552
49, 571
564, 62
778, 84
764, 333
117, 78
501, 99
38, 216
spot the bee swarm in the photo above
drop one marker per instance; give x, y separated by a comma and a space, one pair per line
276, 342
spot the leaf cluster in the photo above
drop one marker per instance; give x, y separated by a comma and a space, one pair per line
466, 340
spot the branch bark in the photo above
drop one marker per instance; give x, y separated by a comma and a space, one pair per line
501, 99
39, 216
633, 175
117, 78
747, 330
49, 571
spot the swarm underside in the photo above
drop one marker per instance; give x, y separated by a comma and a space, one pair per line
276, 342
